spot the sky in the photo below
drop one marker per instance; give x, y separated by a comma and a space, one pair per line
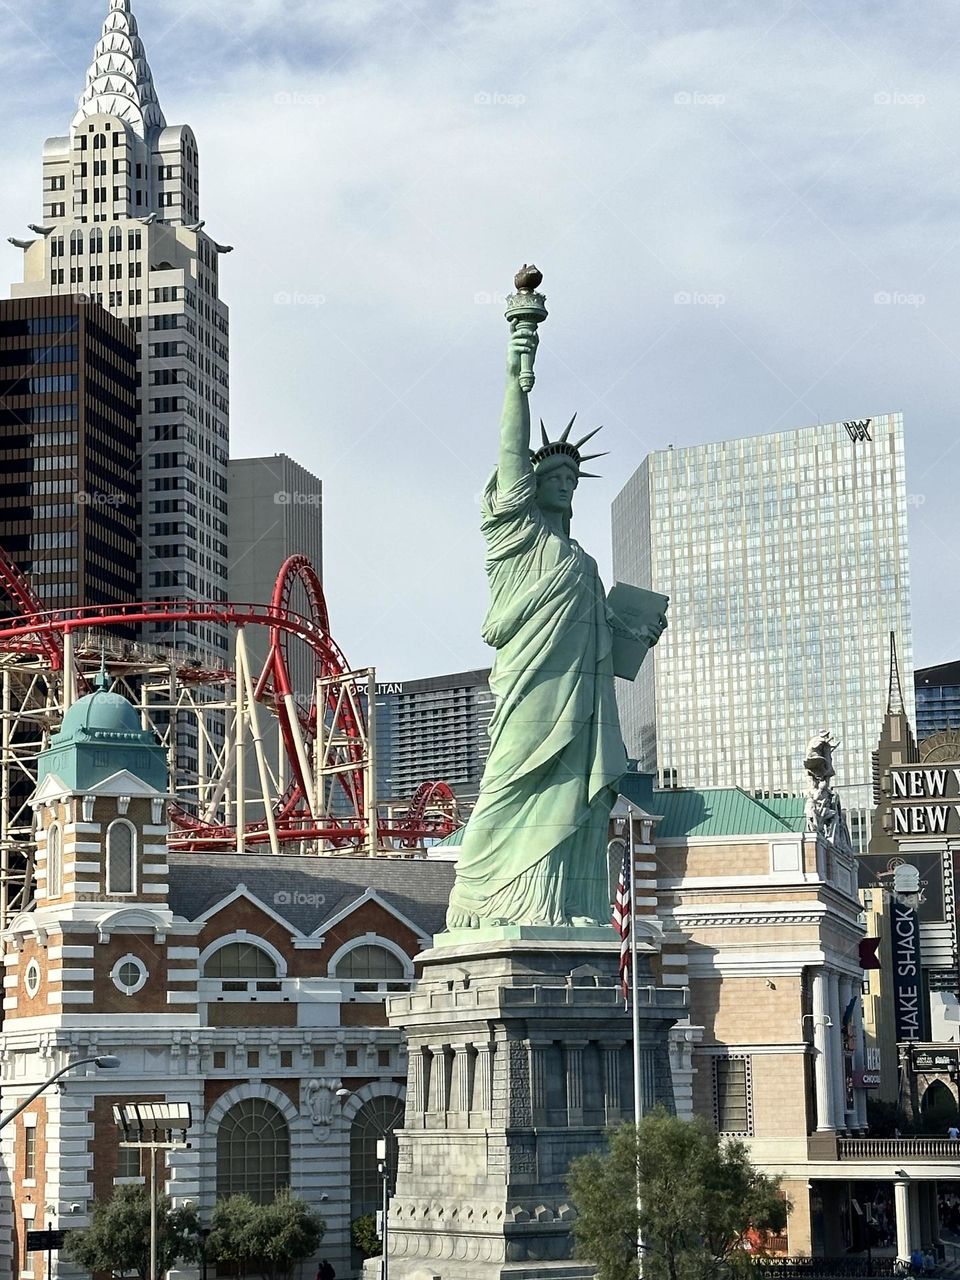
746, 215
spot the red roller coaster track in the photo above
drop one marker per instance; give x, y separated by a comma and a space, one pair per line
37, 631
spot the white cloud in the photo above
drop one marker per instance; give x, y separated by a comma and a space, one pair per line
397, 160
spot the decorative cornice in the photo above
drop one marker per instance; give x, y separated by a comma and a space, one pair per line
119, 80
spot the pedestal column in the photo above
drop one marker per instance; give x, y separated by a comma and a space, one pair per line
537, 1051
826, 1116
462, 1062
439, 1081
611, 1082
483, 1080
573, 1053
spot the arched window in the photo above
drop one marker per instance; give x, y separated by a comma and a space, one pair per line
375, 1120
116, 239
96, 240
253, 1151
121, 857
54, 861
76, 243
240, 960
370, 964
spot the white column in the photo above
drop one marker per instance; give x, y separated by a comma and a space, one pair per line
826, 1115
835, 1041
901, 1202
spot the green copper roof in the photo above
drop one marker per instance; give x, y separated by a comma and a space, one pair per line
712, 811
724, 811
100, 735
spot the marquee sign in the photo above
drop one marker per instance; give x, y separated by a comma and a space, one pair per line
935, 1060
908, 1001
924, 800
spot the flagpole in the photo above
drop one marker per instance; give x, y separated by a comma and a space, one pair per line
635, 1022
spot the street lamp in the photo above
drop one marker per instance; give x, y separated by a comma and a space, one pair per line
384, 1195
151, 1126
106, 1061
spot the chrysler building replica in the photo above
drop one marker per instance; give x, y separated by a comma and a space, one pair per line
122, 224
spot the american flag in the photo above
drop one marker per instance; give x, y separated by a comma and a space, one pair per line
621, 921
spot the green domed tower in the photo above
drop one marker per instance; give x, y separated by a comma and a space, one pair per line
101, 734
102, 787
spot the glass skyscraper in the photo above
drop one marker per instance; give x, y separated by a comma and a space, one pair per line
938, 699
785, 559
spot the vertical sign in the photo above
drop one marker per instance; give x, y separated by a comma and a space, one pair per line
907, 987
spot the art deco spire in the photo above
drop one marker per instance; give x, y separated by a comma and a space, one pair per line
119, 82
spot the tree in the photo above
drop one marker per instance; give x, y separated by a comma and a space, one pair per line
699, 1197
118, 1239
263, 1239
363, 1233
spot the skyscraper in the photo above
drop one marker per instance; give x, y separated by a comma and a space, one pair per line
433, 730
122, 224
938, 699
785, 558
68, 450
277, 511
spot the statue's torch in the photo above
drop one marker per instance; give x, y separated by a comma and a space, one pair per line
528, 308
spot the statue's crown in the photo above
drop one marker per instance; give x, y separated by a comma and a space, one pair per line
551, 448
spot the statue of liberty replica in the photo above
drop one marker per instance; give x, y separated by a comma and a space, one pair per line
534, 850
520, 1051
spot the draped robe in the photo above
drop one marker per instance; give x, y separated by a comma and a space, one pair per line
534, 849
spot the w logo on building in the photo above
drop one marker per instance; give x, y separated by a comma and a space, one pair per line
859, 430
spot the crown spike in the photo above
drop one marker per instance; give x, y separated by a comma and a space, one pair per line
589, 457
588, 436
569, 428
543, 434
588, 475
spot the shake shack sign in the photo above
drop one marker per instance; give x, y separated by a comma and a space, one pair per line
924, 800
907, 990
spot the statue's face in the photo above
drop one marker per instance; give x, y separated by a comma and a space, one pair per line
556, 485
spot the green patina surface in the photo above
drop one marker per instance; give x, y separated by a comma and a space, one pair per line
712, 811
534, 850
101, 735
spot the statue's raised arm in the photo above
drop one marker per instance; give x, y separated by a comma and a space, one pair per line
515, 461
525, 310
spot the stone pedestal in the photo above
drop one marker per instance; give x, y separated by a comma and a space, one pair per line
519, 1058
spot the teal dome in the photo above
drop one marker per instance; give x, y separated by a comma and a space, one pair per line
100, 735
100, 712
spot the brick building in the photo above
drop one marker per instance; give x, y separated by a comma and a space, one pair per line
251, 987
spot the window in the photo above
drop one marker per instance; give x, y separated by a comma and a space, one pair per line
375, 1120
253, 1059
370, 963
121, 857
54, 861
319, 1057
128, 1163
219, 1060
351, 1057
383, 1057
129, 974
30, 1152
31, 979
253, 1151
286, 1057
240, 960
732, 1107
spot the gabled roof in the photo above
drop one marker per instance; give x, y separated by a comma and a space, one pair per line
307, 891
724, 811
